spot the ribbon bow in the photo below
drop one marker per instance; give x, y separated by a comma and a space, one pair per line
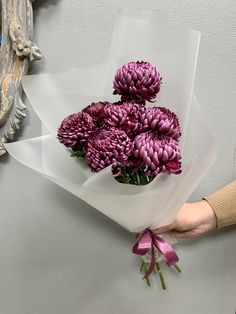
146, 242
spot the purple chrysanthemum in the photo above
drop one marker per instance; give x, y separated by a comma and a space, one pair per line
96, 111
108, 147
162, 120
158, 154
138, 81
75, 129
124, 115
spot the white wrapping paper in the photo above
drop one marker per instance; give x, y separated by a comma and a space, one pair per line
138, 35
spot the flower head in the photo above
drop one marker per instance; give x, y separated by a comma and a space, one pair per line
158, 154
162, 120
108, 147
124, 115
138, 81
75, 129
96, 111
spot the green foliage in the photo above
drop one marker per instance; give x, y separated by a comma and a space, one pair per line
134, 176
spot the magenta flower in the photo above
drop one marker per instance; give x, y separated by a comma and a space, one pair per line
124, 115
75, 129
96, 111
162, 120
158, 154
108, 147
138, 81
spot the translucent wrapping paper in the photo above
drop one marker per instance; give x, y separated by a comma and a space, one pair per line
138, 35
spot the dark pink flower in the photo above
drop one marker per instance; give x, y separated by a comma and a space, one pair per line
124, 115
96, 111
75, 129
138, 81
158, 154
108, 147
162, 120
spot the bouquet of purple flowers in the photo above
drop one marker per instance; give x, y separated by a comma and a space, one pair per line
139, 142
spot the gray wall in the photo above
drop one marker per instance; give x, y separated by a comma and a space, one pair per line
59, 256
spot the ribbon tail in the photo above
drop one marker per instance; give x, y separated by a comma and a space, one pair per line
152, 264
167, 252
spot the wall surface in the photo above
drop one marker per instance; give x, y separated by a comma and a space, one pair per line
58, 255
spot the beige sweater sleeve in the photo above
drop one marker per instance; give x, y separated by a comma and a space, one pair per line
223, 202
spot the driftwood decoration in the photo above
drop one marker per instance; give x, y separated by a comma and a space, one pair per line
17, 51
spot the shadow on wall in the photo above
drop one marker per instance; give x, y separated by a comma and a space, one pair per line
43, 3
4, 160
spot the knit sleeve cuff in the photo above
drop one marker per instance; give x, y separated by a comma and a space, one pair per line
223, 202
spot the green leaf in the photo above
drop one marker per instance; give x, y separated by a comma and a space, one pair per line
78, 153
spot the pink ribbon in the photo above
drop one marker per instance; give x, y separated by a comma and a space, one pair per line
146, 242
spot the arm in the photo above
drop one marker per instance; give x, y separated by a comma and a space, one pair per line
223, 202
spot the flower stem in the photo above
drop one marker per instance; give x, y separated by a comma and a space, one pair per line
159, 272
177, 268
142, 179
138, 178
147, 278
142, 266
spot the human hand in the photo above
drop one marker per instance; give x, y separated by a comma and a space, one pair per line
192, 220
